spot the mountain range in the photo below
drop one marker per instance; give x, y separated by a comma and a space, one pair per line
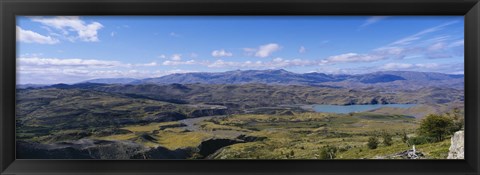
283, 77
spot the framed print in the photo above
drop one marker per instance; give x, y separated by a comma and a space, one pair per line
303, 87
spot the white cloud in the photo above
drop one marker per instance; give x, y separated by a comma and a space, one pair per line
302, 50
28, 36
31, 55
409, 39
266, 50
394, 66
35, 61
66, 24
274, 64
405, 47
278, 59
457, 43
162, 56
178, 62
263, 50
221, 53
437, 46
390, 50
176, 57
372, 20
112, 34
352, 57
438, 39
149, 64
55, 70
249, 51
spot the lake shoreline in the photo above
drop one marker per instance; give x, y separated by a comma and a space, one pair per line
344, 109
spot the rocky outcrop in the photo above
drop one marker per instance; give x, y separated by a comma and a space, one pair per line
212, 145
457, 146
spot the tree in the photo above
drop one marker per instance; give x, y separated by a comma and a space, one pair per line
436, 127
328, 152
373, 142
458, 118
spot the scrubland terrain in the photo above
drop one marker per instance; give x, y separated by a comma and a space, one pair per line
261, 118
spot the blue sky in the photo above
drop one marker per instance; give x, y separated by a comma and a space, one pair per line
72, 49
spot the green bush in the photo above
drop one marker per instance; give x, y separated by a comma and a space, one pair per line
387, 139
373, 142
457, 115
420, 140
436, 127
328, 152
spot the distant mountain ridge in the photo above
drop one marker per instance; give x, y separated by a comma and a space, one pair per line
398, 79
281, 76
112, 80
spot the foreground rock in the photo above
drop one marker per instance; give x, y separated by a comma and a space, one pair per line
456, 150
408, 154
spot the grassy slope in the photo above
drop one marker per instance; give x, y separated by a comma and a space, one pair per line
305, 134
431, 150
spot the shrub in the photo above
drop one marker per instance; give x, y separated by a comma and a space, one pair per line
420, 140
387, 139
436, 127
373, 142
328, 152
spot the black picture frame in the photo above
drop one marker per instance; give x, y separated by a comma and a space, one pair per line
10, 8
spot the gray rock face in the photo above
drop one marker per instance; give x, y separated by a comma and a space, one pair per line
456, 150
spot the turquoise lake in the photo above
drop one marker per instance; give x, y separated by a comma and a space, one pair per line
343, 109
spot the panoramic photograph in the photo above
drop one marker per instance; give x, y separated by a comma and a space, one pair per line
240, 87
